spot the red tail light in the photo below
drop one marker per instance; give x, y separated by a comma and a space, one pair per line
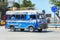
5, 17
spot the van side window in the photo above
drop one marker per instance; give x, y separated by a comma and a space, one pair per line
33, 16
23, 16
17, 16
12, 16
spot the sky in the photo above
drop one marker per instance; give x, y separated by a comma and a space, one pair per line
40, 5
43, 5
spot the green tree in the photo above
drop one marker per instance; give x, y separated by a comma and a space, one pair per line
55, 2
27, 3
24, 3
16, 5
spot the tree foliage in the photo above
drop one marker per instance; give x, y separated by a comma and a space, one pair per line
27, 3
55, 2
16, 5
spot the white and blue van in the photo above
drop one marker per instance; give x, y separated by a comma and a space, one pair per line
25, 19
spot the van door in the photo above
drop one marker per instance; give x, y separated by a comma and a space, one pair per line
23, 21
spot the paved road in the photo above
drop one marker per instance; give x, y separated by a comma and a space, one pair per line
49, 35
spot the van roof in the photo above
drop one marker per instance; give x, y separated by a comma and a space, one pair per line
30, 11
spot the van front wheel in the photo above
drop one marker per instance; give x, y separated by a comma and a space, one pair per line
12, 29
31, 29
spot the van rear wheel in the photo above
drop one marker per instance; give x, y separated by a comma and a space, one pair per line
21, 29
12, 29
40, 30
31, 29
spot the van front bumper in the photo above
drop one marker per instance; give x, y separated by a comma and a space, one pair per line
43, 26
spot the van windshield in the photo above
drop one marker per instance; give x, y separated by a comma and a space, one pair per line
41, 16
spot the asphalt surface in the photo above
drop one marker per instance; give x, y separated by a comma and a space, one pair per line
5, 34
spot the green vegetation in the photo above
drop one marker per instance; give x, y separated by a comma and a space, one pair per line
16, 5
27, 3
55, 2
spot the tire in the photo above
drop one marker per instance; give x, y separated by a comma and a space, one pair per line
12, 29
21, 29
31, 29
39, 30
